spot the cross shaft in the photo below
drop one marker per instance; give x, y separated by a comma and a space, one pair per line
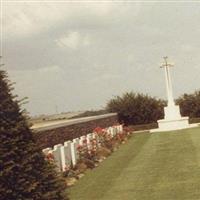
166, 66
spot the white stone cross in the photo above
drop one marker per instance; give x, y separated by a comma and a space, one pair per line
166, 66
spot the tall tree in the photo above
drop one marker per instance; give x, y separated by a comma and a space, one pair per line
135, 108
190, 104
24, 172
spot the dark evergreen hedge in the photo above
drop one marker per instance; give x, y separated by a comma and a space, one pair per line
24, 173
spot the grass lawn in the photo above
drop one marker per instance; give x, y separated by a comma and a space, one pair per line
156, 166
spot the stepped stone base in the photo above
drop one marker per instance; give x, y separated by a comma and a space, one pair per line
173, 120
170, 125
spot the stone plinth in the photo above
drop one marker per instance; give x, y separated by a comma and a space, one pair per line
172, 120
169, 125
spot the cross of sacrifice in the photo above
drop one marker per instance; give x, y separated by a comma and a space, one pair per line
166, 65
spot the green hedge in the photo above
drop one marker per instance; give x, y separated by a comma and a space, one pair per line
136, 108
190, 104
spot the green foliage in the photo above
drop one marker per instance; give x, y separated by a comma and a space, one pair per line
190, 104
24, 173
135, 108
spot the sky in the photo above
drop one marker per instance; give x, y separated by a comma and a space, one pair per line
76, 55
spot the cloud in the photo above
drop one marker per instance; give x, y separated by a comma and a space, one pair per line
51, 69
31, 18
38, 76
22, 19
73, 40
187, 48
77, 55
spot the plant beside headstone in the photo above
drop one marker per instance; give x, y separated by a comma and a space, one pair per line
94, 150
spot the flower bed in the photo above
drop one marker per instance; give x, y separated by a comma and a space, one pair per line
88, 151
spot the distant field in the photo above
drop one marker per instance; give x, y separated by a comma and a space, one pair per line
64, 116
158, 166
56, 117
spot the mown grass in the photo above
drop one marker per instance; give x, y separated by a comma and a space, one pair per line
158, 166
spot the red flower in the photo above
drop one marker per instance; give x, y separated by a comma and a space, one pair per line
98, 129
85, 141
79, 147
50, 156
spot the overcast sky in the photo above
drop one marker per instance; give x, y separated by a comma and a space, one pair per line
77, 56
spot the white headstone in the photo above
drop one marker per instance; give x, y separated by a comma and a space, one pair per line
46, 151
66, 155
74, 152
89, 138
57, 156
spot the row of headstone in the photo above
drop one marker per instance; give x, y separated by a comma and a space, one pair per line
66, 155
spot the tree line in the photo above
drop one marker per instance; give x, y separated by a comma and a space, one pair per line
137, 108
